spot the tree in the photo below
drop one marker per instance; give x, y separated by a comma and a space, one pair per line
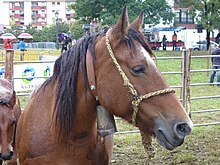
49, 32
108, 11
206, 13
77, 30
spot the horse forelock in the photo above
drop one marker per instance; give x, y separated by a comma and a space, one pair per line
134, 35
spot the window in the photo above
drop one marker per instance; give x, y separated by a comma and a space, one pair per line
190, 19
58, 3
53, 3
183, 16
177, 16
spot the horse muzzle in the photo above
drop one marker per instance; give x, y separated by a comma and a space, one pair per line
6, 156
172, 138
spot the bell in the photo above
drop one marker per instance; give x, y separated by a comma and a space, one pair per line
105, 122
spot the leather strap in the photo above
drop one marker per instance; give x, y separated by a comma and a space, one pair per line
91, 74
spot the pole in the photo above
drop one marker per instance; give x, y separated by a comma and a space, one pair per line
9, 65
184, 57
188, 97
57, 29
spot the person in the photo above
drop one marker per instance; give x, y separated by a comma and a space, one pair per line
217, 39
64, 44
22, 47
174, 39
164, 42
8, 44
215, 65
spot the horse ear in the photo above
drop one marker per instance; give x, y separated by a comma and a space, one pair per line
121, 27
13, 99
138, 22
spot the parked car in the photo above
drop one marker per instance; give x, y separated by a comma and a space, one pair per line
202, 45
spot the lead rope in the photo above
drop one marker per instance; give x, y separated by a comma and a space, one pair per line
146, 139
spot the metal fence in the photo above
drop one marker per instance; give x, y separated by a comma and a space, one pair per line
184, 86
34, 45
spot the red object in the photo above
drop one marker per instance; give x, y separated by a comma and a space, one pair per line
155, 45
8, 44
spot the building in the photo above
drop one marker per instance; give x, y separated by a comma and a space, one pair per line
183, 17
37, 13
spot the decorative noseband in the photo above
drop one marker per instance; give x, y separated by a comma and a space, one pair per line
136, 98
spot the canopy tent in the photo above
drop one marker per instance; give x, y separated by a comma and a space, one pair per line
158, 29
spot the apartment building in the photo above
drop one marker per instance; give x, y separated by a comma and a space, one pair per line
38, 13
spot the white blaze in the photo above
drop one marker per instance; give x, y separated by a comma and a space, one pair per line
147, 56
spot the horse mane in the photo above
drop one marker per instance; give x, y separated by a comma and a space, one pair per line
66, 71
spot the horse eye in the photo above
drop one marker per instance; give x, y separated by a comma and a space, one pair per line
137, 70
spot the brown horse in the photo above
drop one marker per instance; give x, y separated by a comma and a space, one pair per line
9, 115
112, 68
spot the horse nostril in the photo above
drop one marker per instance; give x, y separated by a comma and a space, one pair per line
11, 153
7, 156
182, 129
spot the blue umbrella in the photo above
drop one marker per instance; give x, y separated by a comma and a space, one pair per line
8, 36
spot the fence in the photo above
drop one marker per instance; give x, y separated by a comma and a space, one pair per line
185, 87
34, 45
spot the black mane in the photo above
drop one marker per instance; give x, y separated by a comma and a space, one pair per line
66, 71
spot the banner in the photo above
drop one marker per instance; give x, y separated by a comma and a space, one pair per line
29, 76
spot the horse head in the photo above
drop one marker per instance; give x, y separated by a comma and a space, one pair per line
130, 86
9, 114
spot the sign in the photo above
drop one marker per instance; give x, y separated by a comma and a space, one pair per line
29, 76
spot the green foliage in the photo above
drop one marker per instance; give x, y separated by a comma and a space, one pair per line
14, 30
49, 32
206, 13
46, 34
108, 11
76, 28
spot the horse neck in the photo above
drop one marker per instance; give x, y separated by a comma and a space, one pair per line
85, 115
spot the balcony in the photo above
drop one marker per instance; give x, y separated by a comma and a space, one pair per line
39, 23
17, 15
19, 23
70, 15
43, 7
35, 7
17, 8
38, 16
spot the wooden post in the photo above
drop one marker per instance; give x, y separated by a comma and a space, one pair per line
188, 97
21, 55
9, 65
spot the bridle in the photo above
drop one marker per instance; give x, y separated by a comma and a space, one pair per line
136, 98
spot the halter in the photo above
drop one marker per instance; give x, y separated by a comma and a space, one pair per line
136, 98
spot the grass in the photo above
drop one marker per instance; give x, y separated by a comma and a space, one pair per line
34, 54
202, 147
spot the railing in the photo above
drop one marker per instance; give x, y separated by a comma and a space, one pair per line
185, 86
